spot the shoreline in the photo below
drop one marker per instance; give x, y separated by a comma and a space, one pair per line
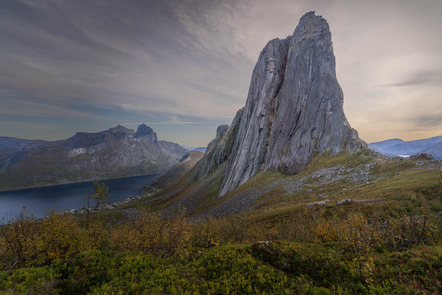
112, 205
82, 181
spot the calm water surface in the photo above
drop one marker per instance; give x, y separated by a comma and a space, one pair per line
66, 196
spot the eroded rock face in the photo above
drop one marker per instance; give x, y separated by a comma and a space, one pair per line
218, 151
294, 108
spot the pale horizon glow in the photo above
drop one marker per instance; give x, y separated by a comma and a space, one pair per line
184, 67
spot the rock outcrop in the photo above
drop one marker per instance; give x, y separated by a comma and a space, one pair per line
146, 133
294, 108
219, 149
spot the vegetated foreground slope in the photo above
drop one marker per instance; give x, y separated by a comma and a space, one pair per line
385, 240
116, 152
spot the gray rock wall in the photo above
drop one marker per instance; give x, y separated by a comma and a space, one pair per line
294, 108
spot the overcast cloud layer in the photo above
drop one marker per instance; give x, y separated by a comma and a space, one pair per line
184, 67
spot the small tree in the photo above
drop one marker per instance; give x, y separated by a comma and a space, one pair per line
101, 195
87, 205
359, 237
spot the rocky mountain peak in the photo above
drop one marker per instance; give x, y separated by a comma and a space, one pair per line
312, 26
294, 109
146, 133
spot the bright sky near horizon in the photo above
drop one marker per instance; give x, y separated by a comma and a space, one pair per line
183, 67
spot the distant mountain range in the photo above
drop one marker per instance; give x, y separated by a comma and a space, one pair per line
116, 152
398, 147
196, 149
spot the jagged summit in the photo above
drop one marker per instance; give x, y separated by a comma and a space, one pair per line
145, 131
311, 25
294, 107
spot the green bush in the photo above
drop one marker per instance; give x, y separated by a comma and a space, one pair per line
271, 268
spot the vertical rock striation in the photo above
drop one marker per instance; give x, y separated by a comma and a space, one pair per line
294, 107
294, 110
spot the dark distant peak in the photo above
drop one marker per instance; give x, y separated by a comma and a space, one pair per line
146, 133
143, 130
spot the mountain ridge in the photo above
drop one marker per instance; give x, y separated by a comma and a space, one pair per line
115, 152
399, 147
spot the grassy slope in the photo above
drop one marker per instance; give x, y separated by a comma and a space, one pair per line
394, 181
395, 184
178, 171
194, 196
387, 180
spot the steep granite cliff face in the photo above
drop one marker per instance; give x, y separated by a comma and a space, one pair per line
294, 109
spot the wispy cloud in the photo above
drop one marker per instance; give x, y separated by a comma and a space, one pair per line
432, 78
105, 61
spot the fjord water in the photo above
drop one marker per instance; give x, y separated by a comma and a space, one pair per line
66, 196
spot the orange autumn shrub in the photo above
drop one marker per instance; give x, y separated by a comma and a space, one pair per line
153, 233
27, 241
59, 237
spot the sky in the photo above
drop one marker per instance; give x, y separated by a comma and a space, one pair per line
183, 67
